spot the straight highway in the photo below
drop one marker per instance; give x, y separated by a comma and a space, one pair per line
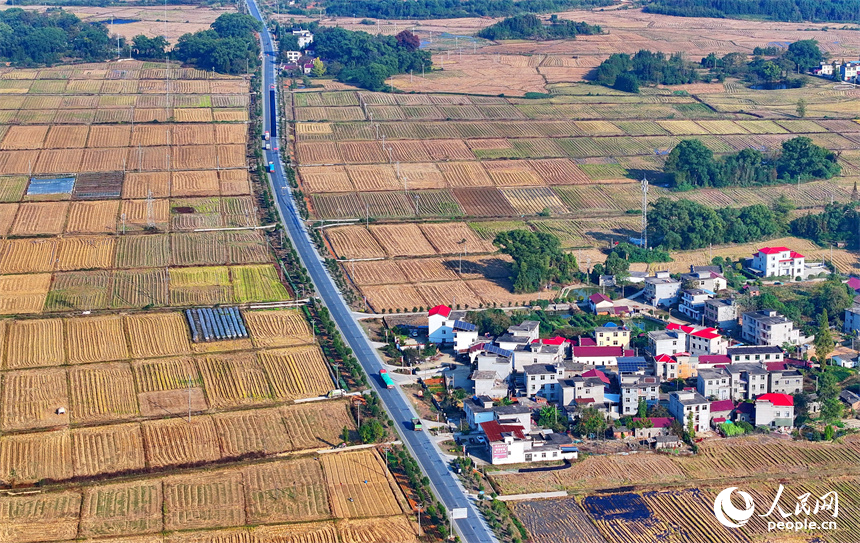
472, 528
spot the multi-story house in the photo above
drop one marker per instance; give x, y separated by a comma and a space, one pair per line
598, 356
669, 342
748, 381
852, 320
721, 313
540, 351
682, 403
706, 277
543, 380
778, 262
612, 335
774, 410
692, 303
715, 383
661, 290
581, 389
634, 387
755, 353
446, 327
767, 327
784, 381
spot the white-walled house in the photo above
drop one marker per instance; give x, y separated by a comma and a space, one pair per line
600, 304
774, 410
682, 403
661, 290
767, 327
305, 37
511, 444
778, 262
446, 327
852, 320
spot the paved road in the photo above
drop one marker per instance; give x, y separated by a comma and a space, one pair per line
472, 529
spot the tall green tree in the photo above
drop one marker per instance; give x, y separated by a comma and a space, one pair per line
823, 342
692, 163
538, 259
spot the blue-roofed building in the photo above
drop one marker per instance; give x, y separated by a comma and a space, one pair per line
633, 365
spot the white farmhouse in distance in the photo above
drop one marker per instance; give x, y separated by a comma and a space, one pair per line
446, 327
304, 36
777, 262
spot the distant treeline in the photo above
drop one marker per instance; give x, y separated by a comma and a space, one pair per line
31, 38
800, 56
229, 46
626, 73
440, 9
778, 10
838, 223
530, 27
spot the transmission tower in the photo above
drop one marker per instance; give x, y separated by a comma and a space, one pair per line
644, 212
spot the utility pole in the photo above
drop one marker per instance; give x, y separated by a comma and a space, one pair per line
644, 212
189, 399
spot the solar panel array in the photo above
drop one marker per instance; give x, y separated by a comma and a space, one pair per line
462, 325
499, 351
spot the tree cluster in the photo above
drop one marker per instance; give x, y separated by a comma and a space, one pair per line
538, 259
777, 10
530, 27
447, 9
29, 38
691, 164
626, 73
684, 224
800, 56
838, 223
147, 48
367, 61
229, 46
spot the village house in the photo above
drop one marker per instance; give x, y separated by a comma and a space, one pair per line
447, 327
709, 278
511, 444
598, 356
679, 366
480, 409
682, 403
701, 341
661, 290
782, 380
600, 304
634, 387
660, 426
774, 410
541, 351
519, 335
852, 320
777, 262
305, 37
714, 383
748, 381
582, 390
721, 411
612, 335
542, 380
850, 399
668, 342
693, 303
755, 353
489, 383
767, 327
848, 71
721, 313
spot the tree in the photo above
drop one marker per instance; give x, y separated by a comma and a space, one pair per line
538, 259
828, 433
492, 321
801, 108
319, 68
691, 426
627, 83
590, 423
805, 54
371, 431
823, 342
692, 163
801, 159
642, 409
408, 41
149, 48
344, 434
552, 417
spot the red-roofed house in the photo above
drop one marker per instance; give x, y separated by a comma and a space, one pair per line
775, 410
701, 341
778, 262
854, 283
597, 373
721, 409
599, 356
509, 444
659, 426
444, 327
600, 304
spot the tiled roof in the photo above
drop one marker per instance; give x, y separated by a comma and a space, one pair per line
597, 373
494, 430
600, 351
714, 359
443, 310
598, 297
772, 250
722, 405
777, 399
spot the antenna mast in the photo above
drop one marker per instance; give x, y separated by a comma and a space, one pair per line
644, 212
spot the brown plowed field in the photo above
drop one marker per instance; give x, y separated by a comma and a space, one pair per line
158, 334
29, 458
195, 183
317, 425
353, 242
234, 380
256, 431
28, 255
31, 399
122, 509
209, 500
109, 136
23, 293
483, 202
234, 182
393, 297
96, 339
325, 179
448, 292
67, 137
36, 218
448, 238
41, 517
173, 442
96, 217
278, 328
34, 342
402, 240
422, 176
85, 253
24, 137
358, 485
102, 392
297, 372
286, 492
139, 185
445, 150
465, 174
318, 153
374, 272
428, 269
559, 171
511, 172
374, 177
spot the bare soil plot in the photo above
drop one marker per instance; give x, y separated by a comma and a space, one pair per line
95, 339
23, 293
258, 431
29, 458
402, 240
375, 272
231, 133
102, 392
41, 517
559, 171
286, 491
28, 255
67, 137
325, 179
140, 184
374, 177
36, 218
176, 442
297, 372
233, 380
85, 253
122, 509
422, 176
449, 293
483, 202
392, 297
557, 521
31, 399
147, 135
408, 151
7, 216
377, 530
34, 342
209, 500
109, 136
234, 182
318, 424
157, 334
195, 183
114, 448
353, 242
95, 217
24, 137
358, 485
278, 328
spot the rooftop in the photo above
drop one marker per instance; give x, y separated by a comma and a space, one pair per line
498, 432
443, 310
720, 301
525, 326
483, 375
606, 351
714, 359
722, 405
766, 316
689, 398
754, 349
777, 399
540, 369
598, 297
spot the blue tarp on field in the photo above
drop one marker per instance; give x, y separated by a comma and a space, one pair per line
57, 185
